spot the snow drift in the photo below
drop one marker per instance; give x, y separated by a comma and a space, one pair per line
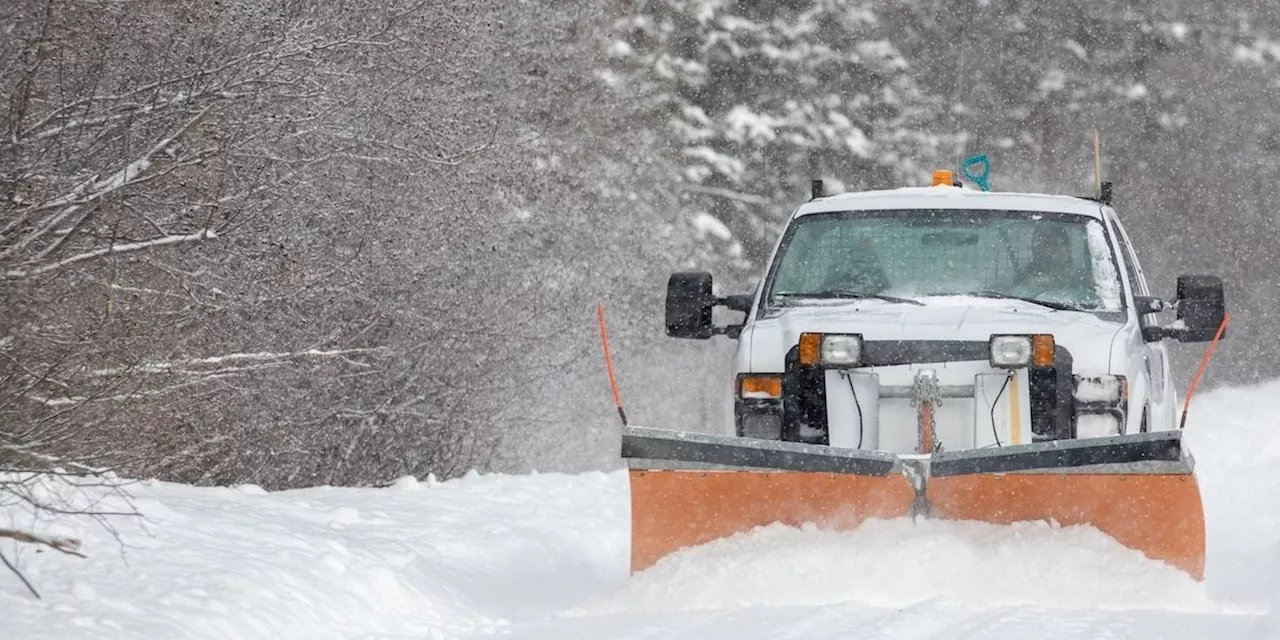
545, 556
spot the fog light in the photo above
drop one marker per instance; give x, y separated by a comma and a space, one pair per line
1097, 425
765, 426
1101, 389
1010, 351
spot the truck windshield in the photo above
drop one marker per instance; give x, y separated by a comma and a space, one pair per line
1061, 260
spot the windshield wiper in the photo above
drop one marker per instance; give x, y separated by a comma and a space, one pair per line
847, 293
1058, 306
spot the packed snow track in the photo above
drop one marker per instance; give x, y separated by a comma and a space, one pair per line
545, 557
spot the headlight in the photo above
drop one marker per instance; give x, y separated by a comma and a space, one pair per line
841, 351
837, 350
1010, 351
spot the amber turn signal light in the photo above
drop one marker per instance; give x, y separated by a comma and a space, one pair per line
760, 386
810, 349
1042, 350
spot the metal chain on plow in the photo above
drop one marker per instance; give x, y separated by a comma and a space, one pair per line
925, 396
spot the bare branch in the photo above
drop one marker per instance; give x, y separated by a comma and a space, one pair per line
94, 189
129, 247
13, 568
69, 546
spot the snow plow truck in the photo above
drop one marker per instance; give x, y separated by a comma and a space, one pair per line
938, 351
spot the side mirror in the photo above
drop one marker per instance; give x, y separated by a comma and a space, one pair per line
689, 305
1201, 308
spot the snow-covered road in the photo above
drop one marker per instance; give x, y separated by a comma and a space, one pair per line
545, 556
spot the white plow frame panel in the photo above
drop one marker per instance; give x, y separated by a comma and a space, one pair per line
993, 409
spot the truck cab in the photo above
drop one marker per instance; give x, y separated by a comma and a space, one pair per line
1009, 318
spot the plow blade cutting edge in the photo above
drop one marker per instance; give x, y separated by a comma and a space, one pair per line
688, 489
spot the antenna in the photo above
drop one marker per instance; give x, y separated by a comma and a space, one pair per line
1101, 189
1097, 163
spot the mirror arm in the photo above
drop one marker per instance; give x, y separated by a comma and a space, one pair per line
1151, 304
737, 302
732, 331
1158, 333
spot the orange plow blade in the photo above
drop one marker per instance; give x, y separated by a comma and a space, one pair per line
673, 509
1140, 489
1158, 514
690, 489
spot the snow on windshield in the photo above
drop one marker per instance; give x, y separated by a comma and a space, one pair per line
1106, 279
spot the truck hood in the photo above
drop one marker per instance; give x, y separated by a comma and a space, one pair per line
1087, 336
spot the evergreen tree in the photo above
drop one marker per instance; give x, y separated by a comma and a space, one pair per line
761, 97
1027, 80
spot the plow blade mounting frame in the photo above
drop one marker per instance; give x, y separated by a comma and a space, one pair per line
656, 448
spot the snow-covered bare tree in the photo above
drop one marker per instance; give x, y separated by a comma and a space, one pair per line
299, 243
184, 189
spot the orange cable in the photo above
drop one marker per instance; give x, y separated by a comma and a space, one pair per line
608, 363
1204, 363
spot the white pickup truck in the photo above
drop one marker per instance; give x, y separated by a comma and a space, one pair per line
1015, 318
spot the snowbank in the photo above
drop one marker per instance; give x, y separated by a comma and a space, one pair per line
1234, 435
901, 563
1268, 627
545, 556
439, 560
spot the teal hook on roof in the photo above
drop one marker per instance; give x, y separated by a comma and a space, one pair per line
979, 179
